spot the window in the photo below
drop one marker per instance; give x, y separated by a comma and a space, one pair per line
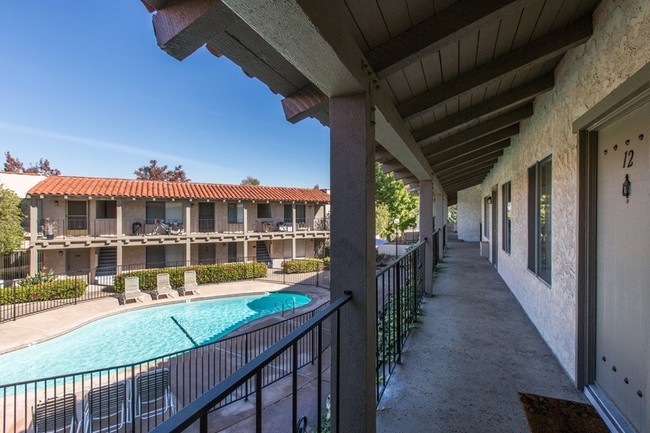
539, 219
106, 209
506, 191
263, 210
155, 210
486, 216
77, 215
235, 213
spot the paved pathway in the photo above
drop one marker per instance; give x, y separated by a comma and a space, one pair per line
473, 352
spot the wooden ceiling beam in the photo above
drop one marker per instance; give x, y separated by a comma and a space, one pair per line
480, 130
434, 33
497, 139
536, 52
457, 186
182, 27
391, 166
402, 174
521, 94
475, 157
464, 168
304, 103
467, 173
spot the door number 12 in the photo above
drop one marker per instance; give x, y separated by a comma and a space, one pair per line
629, 156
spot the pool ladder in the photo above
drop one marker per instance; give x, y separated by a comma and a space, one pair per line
282, 307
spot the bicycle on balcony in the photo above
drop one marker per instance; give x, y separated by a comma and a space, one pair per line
161, 228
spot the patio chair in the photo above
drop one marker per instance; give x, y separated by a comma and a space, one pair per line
107, 408
56, 414
153, 394
132, 290
189, 284
163, 287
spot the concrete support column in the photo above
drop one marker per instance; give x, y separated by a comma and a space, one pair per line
426, 232
245, 219
440, 212
352, 168
119, 222
33, 236
294, 228
119, 256
187, 226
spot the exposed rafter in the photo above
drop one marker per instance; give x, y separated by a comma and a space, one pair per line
457, 186
477, 153
304, 103
470, 147
509, 99
466, 168
480, 156
480, 130
538, 51
467, 173
434, 33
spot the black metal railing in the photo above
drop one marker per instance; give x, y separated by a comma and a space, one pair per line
149, 392
400, 289
255, 374
26, 296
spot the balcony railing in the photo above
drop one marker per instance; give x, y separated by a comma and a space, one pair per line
107, 227
180, 377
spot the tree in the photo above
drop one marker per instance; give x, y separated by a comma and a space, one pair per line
153, 171
42, 167
383, 221
401, 204
452, 214
250, 180
11, 232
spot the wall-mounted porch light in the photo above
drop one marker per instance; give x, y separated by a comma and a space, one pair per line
626, 188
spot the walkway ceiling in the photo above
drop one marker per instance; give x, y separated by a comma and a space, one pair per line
451, 80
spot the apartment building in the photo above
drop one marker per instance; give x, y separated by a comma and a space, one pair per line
76, 224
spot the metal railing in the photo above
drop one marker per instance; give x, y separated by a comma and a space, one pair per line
179, 378
22, 297
400, 289
256, 374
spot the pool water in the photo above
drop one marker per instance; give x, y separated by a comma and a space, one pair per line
140, 335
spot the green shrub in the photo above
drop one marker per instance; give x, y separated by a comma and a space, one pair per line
326, 262
303, 265
57, 289
205, 274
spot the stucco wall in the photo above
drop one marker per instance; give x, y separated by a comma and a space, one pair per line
619, 47
469, 214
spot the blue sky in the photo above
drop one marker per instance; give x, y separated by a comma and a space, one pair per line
83, 84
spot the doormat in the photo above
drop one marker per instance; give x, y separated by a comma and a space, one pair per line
552, 415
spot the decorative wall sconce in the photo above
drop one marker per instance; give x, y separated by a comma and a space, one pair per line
626, 188
60, 253
56, 202
489, 200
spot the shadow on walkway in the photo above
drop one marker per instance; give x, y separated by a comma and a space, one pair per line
473, 351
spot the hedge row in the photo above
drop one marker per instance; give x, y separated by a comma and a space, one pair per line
302, 265
57, 289
205, 274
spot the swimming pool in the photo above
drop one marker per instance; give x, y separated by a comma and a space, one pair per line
140, 335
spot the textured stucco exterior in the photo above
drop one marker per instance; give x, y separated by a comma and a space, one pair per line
469, 214
619, 47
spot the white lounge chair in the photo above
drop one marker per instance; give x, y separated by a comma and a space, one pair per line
153, 394
132, 290
107, 408
163, 287
56, 414
189, 284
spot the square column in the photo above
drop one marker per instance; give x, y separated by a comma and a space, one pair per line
293, 229
440, 212
426, 232
352, 177
187, 225
33, 236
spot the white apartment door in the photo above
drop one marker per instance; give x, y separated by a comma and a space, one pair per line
623, 265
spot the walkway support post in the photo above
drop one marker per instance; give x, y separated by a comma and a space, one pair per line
352, 144
426, 232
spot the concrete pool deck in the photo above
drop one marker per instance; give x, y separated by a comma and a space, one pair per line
48, 324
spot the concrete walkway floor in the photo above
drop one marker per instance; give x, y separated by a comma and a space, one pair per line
473, 351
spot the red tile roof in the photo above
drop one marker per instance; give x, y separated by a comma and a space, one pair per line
131, 188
